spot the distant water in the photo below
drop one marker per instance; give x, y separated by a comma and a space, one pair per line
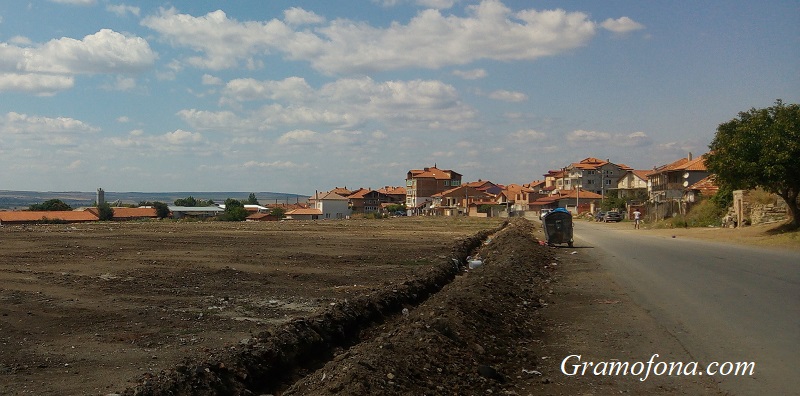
24, 199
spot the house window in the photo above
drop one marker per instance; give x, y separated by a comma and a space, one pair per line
455, 183
447, 182
591, 172
590, 181
608, 182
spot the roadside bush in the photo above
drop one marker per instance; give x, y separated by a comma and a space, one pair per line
705, 213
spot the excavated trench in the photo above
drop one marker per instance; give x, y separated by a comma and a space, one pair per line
457, 332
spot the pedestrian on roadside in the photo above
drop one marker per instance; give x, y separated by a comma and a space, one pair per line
637, 218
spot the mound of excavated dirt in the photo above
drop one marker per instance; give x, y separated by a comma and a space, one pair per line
474, 336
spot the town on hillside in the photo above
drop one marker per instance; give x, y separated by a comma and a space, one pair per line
589, 187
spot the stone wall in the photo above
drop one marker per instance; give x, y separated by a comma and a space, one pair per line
746, 211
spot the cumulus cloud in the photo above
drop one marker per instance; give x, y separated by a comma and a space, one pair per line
271, 165
75, 2
635, 139
581, 136
528, 135
18, 123
490, 30
50, 67
211, 80
296, 16
38, 84
299, 138
342, 104
122, 10
621, 25
508, 96
473, 74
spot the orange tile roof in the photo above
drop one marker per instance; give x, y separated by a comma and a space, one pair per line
132, 213
697, 164
304, 211
27, 216
433, 172
389, 190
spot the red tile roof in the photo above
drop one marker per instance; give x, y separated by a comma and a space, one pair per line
27, 216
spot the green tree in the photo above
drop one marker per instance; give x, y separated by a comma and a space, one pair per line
234, 211
162, 210
760, 148
188, 201
278, 212
105, 212
50, 205
251, 200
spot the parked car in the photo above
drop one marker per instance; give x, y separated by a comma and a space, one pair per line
612, 216
599, 216
543, 212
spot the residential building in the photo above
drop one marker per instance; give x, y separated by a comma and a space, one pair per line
668, 184
304, 214
592, 174
422, 184
330, 205
632, 184
457, 200
395, 195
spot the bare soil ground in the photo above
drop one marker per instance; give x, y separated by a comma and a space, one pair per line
347, 307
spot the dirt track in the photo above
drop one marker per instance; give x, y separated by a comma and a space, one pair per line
208, 308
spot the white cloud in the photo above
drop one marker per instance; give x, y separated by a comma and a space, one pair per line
122, 10
48, 68
271, 165
38, 84
122, 83
296, 16
438, 4
299, 138
181, 137
581, 136
636, 139
489, 31
211, 80
621, 25
123, 119
528, 135
75, 2
20, 40
508, 96
292, 88
17, 123
342, 104
473, 74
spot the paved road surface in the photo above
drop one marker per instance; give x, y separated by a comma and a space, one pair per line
722, 302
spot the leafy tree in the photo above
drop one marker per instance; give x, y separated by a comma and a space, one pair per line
278, 212
50, 205
396, 207
188, 201
105, 212
761, 148
612, 202
162, 210
251, 200
234, 211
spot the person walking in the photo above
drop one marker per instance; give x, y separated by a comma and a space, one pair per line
637, 218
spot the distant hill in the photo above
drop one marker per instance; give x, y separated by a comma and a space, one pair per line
24, 199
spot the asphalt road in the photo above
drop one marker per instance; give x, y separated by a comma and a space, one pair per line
722, 302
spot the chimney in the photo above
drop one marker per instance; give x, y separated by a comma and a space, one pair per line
690, 156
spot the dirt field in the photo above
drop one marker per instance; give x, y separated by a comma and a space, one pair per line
90, 308
331, 307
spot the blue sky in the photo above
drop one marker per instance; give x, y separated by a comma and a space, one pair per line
308, 95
